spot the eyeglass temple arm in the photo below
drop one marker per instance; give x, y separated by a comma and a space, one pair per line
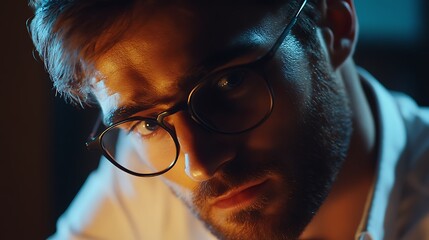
285, 32
93, 143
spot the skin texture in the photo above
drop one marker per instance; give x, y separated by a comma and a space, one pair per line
293, 157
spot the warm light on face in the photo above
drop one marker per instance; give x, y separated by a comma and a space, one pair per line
251, 183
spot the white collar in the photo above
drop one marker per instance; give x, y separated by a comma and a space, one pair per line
391, 144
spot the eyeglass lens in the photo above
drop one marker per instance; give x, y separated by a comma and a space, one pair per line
155, 147
230, 101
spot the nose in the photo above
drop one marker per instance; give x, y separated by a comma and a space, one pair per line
203, 151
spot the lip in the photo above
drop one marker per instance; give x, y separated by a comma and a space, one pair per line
242, 196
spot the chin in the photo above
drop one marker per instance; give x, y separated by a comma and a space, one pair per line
278, 212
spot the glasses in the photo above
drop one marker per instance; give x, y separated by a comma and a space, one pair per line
229, 101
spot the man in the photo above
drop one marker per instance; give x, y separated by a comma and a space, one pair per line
252, 114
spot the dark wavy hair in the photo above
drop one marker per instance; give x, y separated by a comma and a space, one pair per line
69, 35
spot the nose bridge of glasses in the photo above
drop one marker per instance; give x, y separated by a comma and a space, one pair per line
164, 118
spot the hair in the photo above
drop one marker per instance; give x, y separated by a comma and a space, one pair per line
69, 35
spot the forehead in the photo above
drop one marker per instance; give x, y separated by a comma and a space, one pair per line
165, 43
198, 29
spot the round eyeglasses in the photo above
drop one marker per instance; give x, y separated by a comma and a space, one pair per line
229, 101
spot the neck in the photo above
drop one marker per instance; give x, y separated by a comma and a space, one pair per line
341, 213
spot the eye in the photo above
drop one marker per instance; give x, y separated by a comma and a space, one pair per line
230, 81
145, 128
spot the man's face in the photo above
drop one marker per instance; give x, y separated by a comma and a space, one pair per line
263, 184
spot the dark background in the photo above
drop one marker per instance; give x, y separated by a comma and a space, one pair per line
43, 158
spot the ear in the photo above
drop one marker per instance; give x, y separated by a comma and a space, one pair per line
339, 29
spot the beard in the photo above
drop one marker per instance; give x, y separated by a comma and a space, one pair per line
300, 178
300, 170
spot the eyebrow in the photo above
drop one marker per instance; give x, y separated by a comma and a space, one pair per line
194, 75
122, 113
125, 112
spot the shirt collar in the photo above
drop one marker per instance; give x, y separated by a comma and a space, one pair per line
391, 143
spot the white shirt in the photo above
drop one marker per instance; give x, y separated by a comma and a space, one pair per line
399, 204
115, 205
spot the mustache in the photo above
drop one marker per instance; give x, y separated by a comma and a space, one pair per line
232, 175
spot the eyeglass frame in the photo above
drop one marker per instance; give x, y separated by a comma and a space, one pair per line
94, 141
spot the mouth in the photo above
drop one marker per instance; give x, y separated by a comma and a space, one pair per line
242, 196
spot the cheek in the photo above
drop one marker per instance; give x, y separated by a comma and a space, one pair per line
178, 177
277, 132
292, 92
180, 183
